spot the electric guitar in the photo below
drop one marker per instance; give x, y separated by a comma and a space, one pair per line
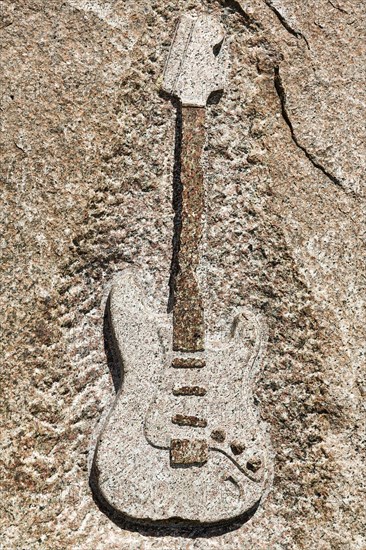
184, 442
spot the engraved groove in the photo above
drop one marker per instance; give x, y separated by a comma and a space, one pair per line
186, 420
190, 390
188, 363
188, 314
188, 452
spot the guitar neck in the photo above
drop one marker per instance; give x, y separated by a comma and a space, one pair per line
188, 311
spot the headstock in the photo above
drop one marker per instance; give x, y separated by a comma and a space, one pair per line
197, 61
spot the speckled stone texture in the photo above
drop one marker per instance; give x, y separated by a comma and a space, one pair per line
86, 168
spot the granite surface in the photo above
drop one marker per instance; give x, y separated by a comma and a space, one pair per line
87, 152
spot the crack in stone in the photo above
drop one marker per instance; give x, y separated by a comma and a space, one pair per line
235, 6
285, 24
336, 7
6, 24
282, 97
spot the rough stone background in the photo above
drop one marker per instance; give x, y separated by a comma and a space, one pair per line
87, 156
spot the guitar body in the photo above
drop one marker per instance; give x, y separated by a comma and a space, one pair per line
136, 470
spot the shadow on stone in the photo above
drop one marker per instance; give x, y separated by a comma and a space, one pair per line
174, 527
177, 202
111, 349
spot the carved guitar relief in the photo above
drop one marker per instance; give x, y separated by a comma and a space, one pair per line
184, 442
